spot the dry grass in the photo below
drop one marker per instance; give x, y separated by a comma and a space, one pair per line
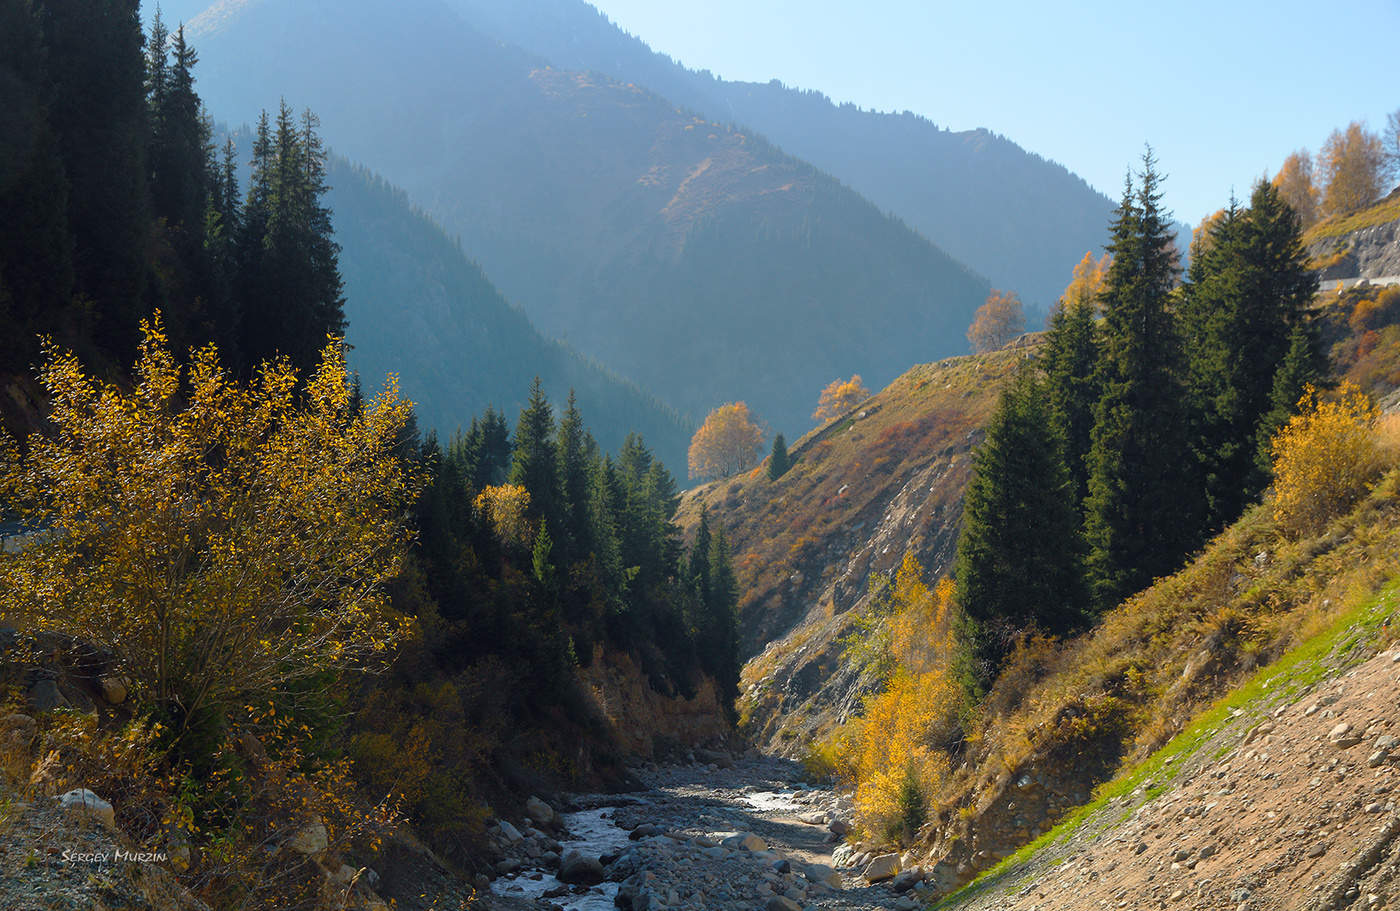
1387, 210
1130, 686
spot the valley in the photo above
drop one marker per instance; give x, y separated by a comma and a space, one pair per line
455, 456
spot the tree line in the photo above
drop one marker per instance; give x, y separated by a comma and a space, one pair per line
1144, 426
118, 203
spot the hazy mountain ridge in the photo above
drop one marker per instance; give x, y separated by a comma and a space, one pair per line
1008, 213
617, 221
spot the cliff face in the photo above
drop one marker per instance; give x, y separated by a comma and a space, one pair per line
1362, 246
647, 723
886, 478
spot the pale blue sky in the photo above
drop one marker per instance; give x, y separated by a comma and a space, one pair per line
1222, 90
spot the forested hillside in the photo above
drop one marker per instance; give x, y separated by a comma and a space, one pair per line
419, 306
692, 258
247, 606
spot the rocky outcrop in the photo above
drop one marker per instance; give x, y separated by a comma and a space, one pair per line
1371, 253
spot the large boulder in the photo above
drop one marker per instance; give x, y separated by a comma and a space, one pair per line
82, 802
881, 868
510, 832
580, 868
45, 697
542, 813
821, 873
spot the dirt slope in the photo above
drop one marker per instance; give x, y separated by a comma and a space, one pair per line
1294, 810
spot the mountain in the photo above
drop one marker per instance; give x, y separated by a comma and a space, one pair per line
1009, 214
694, 259
419, 307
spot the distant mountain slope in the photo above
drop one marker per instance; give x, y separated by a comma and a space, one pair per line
696, 260
418, 306
1013, 216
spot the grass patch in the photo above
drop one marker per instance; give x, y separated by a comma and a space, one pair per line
1327, 654
1387, 210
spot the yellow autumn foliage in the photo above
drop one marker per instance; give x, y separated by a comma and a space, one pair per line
225, 540
507, 508
901, 739
839, 397
1325, 458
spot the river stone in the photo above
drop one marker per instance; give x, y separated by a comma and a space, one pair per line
580, 868
511, 833
838, 826
745, 841
821, 873
542, 813
82, 802
906, 881
882, 868
782, 903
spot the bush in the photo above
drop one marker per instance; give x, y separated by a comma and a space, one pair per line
227, 542
1324, 459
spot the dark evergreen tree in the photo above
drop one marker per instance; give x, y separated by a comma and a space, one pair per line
1301, 367
1020, 559
699, 569
778, 463
1248, 287
1144, 508
720, 650
575, 452
535, 466
98, 114
1072, 388
36, 247
289, 292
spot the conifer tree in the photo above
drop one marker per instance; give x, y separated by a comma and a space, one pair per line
99, 117
1072, 387
778, 462
1019, 563
535, 463
725, 661
1246, 295
1301, 367
36, 245
575, 453
700, 559
1143, 511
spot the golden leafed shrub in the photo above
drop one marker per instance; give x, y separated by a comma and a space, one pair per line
507, 508
225, 541
996, 322
1324, 458
839, 397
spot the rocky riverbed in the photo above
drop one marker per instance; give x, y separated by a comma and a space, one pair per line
712, 835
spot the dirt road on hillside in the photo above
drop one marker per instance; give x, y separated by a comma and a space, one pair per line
1294, 810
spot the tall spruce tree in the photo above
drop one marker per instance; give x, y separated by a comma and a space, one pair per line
1072, 386
1246, 295
575, 452
535, 463
1020, 559
290, 293
1144, 506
